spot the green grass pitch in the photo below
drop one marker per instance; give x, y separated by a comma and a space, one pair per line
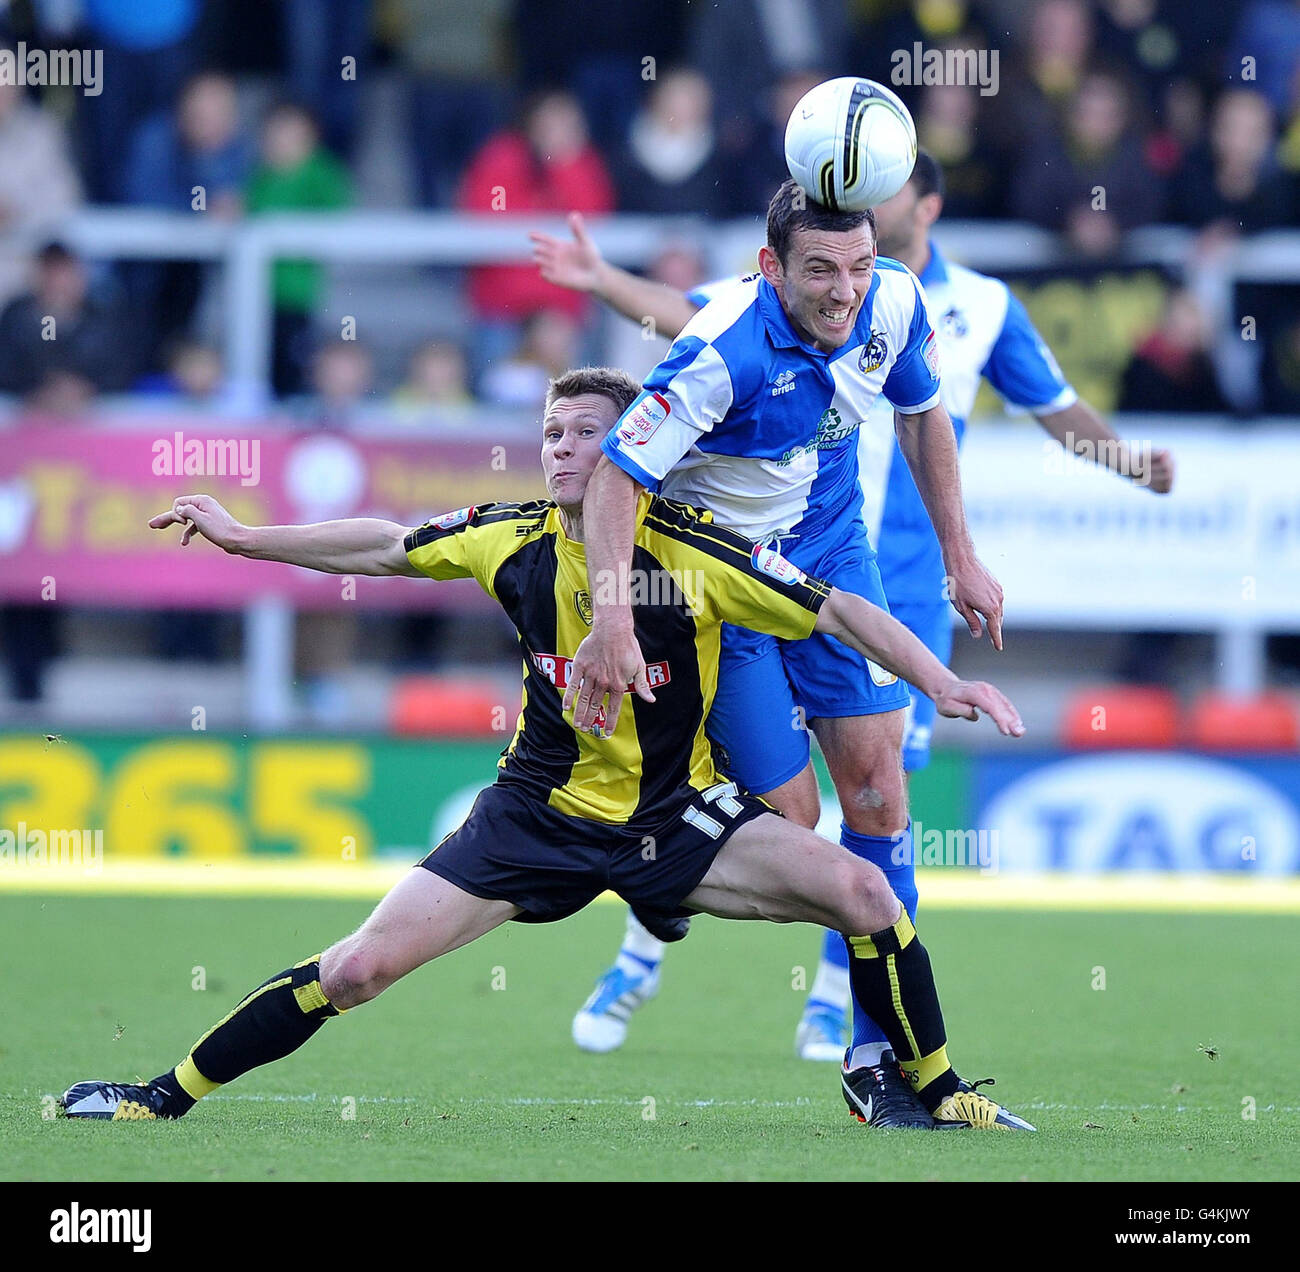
466, 1071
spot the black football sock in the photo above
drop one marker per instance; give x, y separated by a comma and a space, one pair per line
891, 978
274, 1020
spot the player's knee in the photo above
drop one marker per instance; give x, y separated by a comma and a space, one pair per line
875, 801
869, 902
353, 972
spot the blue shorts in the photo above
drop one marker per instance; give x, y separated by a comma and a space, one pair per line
931, 623
769, 688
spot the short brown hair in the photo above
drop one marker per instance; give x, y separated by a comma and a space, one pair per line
791, 209
610, 382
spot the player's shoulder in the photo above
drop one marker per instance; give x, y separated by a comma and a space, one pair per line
896, 292
691, 525
730, 304
705, 293
525, 515
969, 286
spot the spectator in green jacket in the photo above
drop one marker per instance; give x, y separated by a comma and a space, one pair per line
296, 174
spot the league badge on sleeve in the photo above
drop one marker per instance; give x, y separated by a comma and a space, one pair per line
642, 419
930, 351
770, 562
450, 520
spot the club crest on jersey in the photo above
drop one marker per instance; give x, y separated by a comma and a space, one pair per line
770, 562
874, 352
953, 324
582, 603
879, 676
642, 419
930, 351
450, 520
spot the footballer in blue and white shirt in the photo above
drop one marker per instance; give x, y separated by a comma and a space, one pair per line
754, 415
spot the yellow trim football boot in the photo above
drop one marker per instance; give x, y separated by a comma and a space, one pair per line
967, 1107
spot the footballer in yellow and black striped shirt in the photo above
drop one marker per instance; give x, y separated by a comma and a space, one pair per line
642, 812
688, 575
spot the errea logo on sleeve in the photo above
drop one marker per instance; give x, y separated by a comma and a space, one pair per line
642, 419
770, 562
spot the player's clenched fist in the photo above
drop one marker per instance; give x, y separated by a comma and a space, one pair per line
201, 514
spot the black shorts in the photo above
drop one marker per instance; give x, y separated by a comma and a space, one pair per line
512, 847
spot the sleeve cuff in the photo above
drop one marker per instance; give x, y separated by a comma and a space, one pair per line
630, 467
931, 401
1067, 397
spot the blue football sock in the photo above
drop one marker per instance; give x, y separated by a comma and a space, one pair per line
893, 854
830, 987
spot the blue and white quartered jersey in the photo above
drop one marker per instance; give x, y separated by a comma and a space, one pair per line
743, 418
983, 331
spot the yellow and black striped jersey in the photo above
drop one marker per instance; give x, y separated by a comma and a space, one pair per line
688, 576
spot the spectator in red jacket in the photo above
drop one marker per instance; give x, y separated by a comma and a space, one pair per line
547, 164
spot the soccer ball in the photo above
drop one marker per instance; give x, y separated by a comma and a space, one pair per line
850, 143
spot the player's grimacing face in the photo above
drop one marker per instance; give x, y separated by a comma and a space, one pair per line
572, 432
826, 277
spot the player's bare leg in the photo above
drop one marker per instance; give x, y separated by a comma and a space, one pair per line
421, 918
601, 1023
769, 869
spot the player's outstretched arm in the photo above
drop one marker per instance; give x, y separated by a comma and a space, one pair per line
882, 638
361, 545
1083, 432
929, 445
578, 265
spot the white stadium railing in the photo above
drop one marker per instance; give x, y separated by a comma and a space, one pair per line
244, 250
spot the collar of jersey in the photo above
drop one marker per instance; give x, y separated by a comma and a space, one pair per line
936, 269
579, 550
783, 335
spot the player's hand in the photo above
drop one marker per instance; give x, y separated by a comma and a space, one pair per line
576, 264
965, 699
203, 515
606, 662
1158, 473
974, 592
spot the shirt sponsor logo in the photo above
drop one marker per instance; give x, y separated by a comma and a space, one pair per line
642, 419
784, 383
930, 351
450, 520
556, 669
874, 352
770, 562
831, 432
